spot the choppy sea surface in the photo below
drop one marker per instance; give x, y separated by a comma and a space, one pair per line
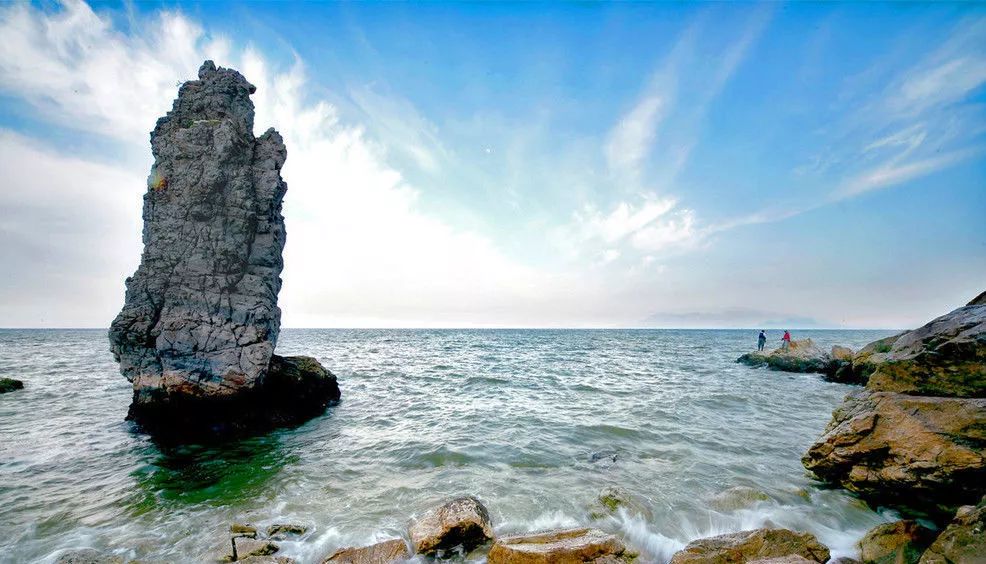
511, 416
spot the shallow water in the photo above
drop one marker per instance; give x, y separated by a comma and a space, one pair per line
512, 416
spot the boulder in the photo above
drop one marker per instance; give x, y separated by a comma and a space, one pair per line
612, 500
841, 353
461, 522
923, 453
10, 385
568, 546
394, 550
245, 547
200, 321
900, 542
945, 357
964, 540
801, 356
789, 559
280, 531
749, 546
88, 556
243, 529
866, 361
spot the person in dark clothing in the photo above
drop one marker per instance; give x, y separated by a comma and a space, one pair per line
761, 340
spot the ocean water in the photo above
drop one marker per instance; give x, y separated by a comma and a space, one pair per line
510, 416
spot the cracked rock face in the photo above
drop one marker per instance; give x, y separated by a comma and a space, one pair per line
201, 315
197, 332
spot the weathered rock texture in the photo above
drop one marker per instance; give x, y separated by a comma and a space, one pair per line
905, 451
200, 321
915, 438
749, 546
462, 522
900, 542
963, 541
568, 546
394, 550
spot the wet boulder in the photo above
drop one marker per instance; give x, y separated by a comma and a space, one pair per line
386, 552
10, 385
737, 497
614, 499
280, 531
789, 559
244, 547
748, 546
963, 540
922, 453
462, 522
567, 546
900, 542
88, 556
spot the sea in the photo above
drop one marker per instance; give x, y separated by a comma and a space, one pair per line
535, 423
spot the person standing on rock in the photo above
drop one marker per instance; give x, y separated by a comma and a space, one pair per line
786, 340
761, 340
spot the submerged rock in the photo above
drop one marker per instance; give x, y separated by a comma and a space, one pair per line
243, 529
900, 542
568, 546
386, 552
245, 547
10, 385
197, 331
88, 556
279, 531
964, 540
748, 546
916, 452
945, 357
612, 500
738, 497
462, 522
801, 356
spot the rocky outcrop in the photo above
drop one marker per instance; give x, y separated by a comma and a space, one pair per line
905, 451
946, 357
197, 331
386, 552
568, 546
865, 362
462, 522
10, 385
749, 546
900, 542
915, 438
964, 540
801, 356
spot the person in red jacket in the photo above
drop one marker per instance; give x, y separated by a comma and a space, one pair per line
786, 340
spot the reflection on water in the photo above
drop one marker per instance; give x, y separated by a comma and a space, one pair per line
530, 421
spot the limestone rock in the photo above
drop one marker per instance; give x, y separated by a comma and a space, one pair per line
568, 546
88, 556
801, 356
916, 452
280, 531
748, 546
614, 498
394, 550
945, 357
963, 541
900, 542
197, 331
461, 522
10, 385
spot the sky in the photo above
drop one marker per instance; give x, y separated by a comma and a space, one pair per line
524, 164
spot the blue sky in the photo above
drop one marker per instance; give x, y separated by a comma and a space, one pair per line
526, 164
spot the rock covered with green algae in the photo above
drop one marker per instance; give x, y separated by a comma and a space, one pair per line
964, 540
899, 542
10, 385
198, 328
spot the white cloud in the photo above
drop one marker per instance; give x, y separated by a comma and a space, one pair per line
631, 138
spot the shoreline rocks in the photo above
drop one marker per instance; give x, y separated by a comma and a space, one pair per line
800, 356
10, 385
963, 540
567, 546
897, 443
462, 522
199, 325
899, 542
393, 550
753, 545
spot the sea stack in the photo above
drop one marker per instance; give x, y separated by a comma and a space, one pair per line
197, 332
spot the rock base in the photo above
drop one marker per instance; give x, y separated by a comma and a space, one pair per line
294, 390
